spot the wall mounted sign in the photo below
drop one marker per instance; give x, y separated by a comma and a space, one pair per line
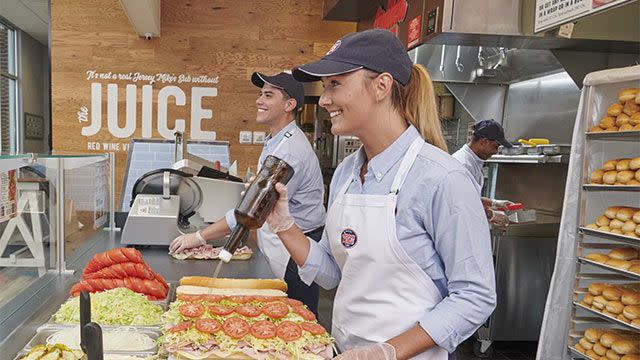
142, 91
553, 13
389, 18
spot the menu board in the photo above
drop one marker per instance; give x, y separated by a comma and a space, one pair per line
553, 13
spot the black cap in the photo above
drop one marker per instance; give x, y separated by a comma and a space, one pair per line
283, 81
492, 130
376, 49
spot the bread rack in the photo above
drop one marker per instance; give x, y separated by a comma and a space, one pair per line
566, 316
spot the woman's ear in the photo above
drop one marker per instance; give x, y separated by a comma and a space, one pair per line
383, 84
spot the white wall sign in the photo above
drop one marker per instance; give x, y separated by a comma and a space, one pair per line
138, 91
553, 13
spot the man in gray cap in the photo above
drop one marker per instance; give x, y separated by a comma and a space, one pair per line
487, 136
280, 98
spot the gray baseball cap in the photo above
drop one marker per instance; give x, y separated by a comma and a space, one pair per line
376, 49
283, 81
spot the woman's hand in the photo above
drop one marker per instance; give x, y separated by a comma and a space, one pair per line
379, 351
280, 219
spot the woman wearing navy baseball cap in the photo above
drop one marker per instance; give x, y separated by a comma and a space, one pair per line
406, 240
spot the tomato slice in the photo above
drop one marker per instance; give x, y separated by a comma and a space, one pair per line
264, 329
305, 313
208, 326
293, 302
247, 310
313, 328
276, 310
220, 310
235, 327
180, 327
187, 297
191, 309
289, 331
239, 299
212, 298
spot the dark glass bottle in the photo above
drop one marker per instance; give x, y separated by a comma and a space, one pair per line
257, 203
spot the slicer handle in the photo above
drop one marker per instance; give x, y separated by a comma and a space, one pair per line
166, 185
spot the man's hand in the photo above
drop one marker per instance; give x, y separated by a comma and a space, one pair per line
379, 351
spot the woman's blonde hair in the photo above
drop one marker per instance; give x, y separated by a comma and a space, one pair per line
417, 102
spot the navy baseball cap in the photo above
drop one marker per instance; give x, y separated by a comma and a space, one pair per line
283, 81
376, 49
492, 130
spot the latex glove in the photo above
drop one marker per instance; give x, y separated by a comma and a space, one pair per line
500, 204
499, 218
186, 241
379, 351
280, 219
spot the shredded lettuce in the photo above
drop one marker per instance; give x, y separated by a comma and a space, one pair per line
120, 306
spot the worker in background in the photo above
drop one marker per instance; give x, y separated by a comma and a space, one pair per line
280, 99
487, 136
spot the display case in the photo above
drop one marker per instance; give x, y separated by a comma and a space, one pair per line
52, 209
589, 250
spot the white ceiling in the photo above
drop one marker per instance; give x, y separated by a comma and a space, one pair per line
30, 16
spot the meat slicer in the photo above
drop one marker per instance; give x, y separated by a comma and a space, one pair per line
169, 202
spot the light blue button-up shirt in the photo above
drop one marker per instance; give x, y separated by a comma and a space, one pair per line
441, 225
306, 188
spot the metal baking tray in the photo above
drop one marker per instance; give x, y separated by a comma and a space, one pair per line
555, 149
610, 236
575, 354
610, 268
515, 150
142, 356
44, 332
618, 136
606, 317
533, 150
593, 187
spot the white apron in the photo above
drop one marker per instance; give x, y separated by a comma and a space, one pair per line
268, 242
383, 291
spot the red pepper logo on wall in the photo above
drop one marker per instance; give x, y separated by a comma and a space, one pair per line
395, 13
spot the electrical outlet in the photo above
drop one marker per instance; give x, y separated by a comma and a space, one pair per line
245, 137
258, 137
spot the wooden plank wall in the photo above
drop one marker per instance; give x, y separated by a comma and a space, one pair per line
225, 38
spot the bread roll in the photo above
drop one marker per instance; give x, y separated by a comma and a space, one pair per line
604, 228
603, 220
624, 253
596, 176
636, 323
616, 231
634, 164
631, 312
612, 211
624, 347
586, 344
594, 226
597, 288
612, 129
579, 347
624, 214
627, 94
629, 297
622, 119
608, 338
607, 122
634, 269
277, 284
617, 263
624, 176
616, 224
593, 334
633, 182
630, 108
612, 293
636, 127
599, 302
628, 226
636, 217
614, 109
631, 234
631, 357
615, 307
626, 127
637, 171
623, 319
599, 349
597, 257
609, 177
596, 129
634, 119
612, 355
623, 164
588, 299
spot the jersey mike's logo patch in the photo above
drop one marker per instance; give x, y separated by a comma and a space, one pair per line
348, 238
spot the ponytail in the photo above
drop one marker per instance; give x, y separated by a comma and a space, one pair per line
417, 102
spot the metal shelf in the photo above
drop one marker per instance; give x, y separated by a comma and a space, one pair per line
610, 236
606, 317
575, 354
610, 268
616, 136
529, 159
591, 187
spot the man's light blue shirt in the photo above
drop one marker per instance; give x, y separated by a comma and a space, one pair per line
306, 188
440, 223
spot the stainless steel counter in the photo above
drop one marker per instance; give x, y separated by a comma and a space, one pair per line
39, 306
